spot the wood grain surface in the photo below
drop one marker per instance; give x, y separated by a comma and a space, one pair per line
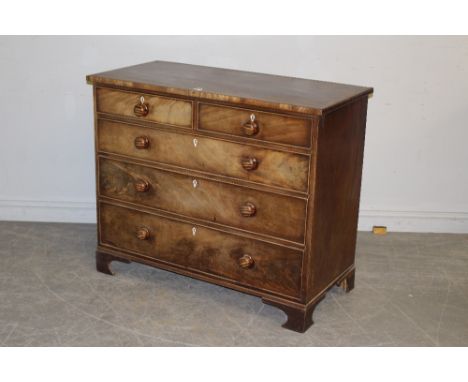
216, 202
160, 109
275, 268
334, 216
234, 86
250, 181
275, 168
271, 127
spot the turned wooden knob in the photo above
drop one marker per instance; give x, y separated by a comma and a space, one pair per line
246, 261
249, 163
142, 142
248, 209
141, 109
142, 185
251, 127
143, 233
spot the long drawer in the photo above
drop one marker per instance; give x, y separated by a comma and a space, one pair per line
153, 108
270, 167
239, 207
245, 261
254, 124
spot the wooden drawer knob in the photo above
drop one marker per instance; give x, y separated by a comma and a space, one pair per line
141, 109
251, 127
248, 209
249, 163
143, 233
142, 185
142, 142
246, 262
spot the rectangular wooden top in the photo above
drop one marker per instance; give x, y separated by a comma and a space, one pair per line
234, 86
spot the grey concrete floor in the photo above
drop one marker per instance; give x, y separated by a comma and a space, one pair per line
411, 290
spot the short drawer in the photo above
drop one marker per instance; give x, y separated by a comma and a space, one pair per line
238, 207
252, 124
247, 262
153, 108
270, 167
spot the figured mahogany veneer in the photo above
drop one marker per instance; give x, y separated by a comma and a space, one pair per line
258, 125
269, 267
245, 180
143, 106
240, 207
234, 160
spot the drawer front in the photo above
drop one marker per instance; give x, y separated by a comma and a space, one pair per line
239, 207
153, 108
235, 160
248, 262
255, 125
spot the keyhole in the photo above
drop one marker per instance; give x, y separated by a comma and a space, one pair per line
194, 231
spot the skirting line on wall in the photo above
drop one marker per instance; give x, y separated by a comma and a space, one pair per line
48, 211
85, 212
414, 221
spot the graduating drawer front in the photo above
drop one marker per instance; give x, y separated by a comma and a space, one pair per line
271, 167
255, 125
245, 261
239, 207
153, 108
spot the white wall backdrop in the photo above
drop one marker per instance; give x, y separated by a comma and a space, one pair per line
416, 155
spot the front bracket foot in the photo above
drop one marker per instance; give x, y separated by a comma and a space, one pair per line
103, 261
299, 317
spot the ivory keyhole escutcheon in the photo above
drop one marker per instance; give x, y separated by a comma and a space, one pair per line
141, 109
195, 183
194, 231
195, 142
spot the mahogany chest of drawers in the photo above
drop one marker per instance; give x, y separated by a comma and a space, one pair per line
245, 180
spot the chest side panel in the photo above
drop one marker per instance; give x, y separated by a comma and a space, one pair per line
332, 229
